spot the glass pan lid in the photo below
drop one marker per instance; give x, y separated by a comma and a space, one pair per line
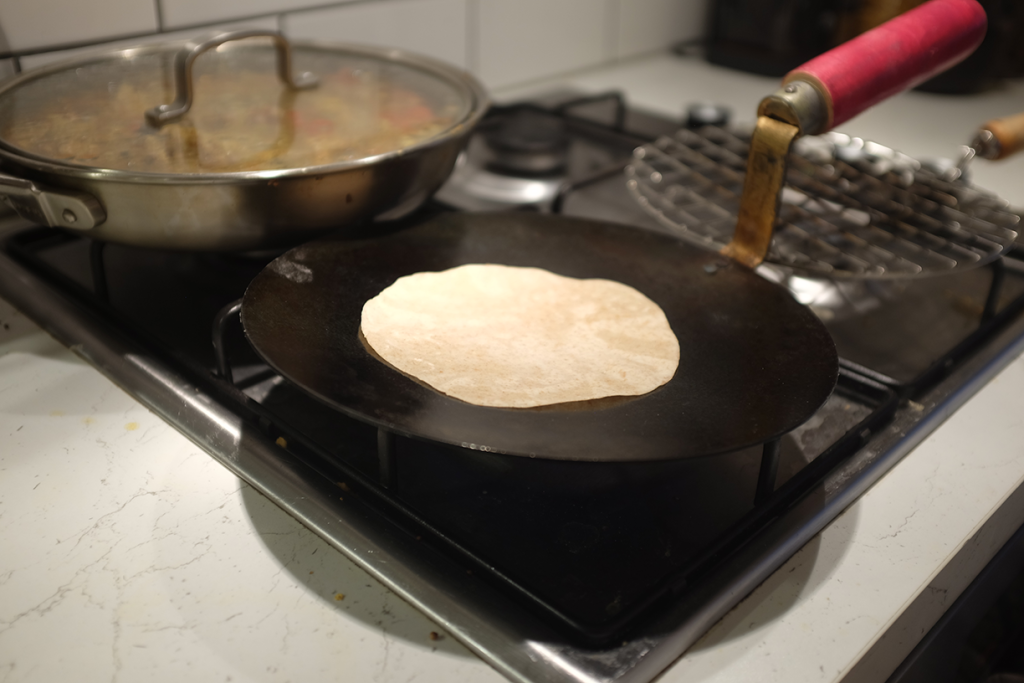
243, 117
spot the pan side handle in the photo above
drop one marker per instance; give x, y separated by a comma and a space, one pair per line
49, 206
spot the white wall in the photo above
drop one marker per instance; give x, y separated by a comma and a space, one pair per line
504, 42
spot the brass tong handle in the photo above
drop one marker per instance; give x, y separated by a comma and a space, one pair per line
186, 57
766, 172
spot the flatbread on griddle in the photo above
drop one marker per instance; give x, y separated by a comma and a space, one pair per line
513, 337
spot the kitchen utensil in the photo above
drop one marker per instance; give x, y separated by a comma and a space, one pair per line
851, 209
246, 167
855, 208
997, 139
754, 362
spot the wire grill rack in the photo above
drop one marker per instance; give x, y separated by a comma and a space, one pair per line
850, 208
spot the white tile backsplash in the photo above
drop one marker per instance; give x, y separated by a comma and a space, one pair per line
520, 40
266, 24
179, 13
436, 28
505, 42
650, 25
28, 24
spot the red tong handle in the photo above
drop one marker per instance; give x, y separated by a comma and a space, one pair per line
893, 57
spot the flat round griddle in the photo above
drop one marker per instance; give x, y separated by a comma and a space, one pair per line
754, 363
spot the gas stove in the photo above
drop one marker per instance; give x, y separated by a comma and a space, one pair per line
550, 571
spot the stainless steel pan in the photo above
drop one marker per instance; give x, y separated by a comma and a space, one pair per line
264, 195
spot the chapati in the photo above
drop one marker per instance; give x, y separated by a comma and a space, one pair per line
515, 337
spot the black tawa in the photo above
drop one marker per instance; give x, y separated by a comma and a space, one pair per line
754, 363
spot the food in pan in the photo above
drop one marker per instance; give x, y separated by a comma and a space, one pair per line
514, 337
239, 121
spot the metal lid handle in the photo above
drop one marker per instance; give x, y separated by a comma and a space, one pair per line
183, 61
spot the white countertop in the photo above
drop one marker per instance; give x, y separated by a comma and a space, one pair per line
127, 553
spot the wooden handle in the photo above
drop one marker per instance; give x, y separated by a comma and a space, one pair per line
1008, 134
893, 57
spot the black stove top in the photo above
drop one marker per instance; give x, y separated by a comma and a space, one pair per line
603, 563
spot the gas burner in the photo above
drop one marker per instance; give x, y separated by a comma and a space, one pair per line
700, 114
473, 187
525, 143
520, 158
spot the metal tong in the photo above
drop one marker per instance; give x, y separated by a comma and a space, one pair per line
997, 139
836, 86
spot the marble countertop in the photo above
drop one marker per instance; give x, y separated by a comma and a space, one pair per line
129, 554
